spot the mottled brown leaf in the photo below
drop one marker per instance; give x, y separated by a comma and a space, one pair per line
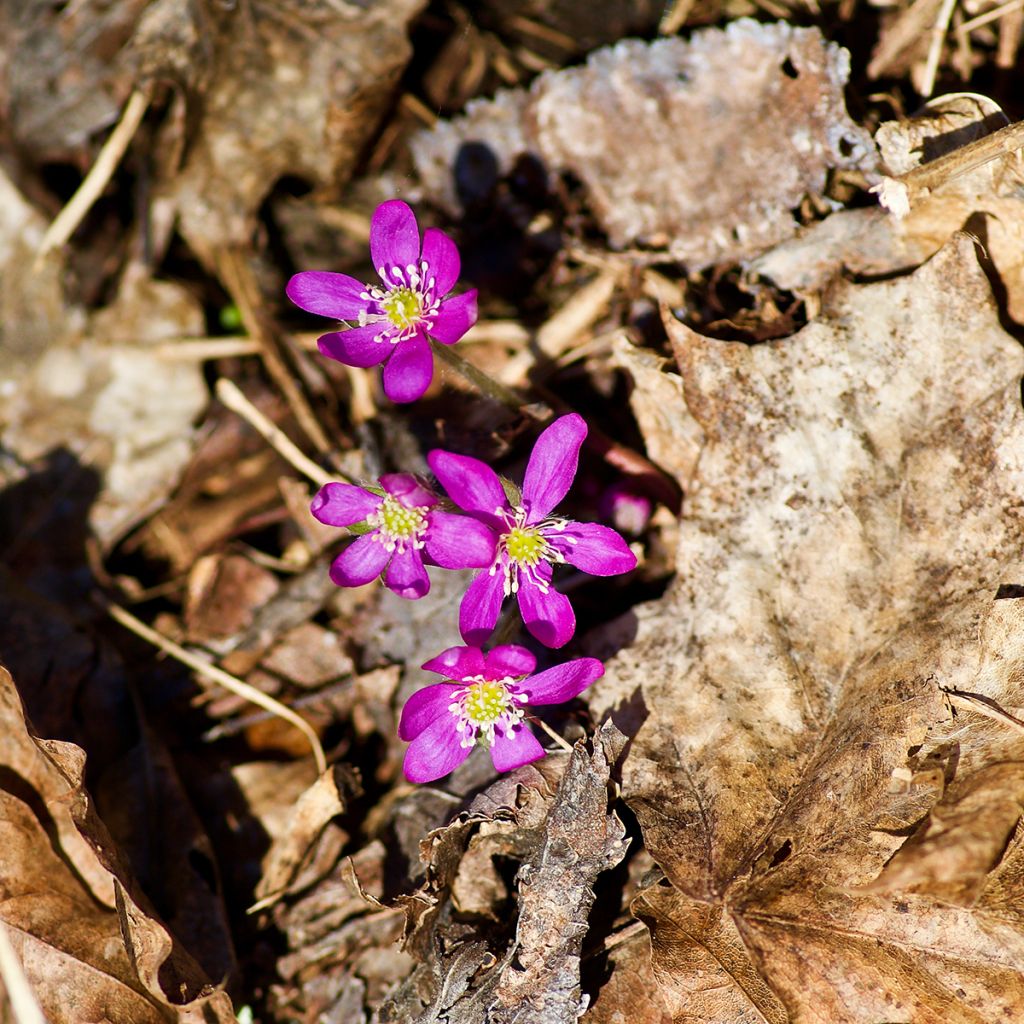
853, 513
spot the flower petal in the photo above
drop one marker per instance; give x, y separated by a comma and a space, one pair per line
481, 606
343, 504
361, 562
548, 617
515, 749
356, 346
509, 660
455, 316
408, 491
406, 576
442, 259
424, 706
457, 663
459, 542
552, 466
409, 371
563, 682
334, 295
593, 548
394, 238
470, 483
435, 752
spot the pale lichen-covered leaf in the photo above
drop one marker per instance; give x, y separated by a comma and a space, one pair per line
851, 518
701, 146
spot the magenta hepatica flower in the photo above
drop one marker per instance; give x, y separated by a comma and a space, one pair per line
404, 524
483, 700
529, 540
395, 317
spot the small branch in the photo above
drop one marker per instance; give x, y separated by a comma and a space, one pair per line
554, 735
230, 394
219, 676
68, 220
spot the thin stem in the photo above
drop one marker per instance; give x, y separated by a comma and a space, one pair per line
222, 678
554, 735
230, 394
486, 384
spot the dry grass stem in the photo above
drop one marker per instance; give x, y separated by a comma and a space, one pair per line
66, 222
20, 996
221, 678
231, 395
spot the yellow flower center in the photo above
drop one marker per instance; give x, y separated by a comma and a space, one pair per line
398, 525
403, 307
526, 546
481, 705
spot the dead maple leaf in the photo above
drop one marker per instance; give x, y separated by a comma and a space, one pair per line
89, 947
855, 507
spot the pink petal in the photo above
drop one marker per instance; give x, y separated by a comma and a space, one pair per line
435, 752
459, 542
552, 466
481, 606
356, 346
454, 318
442, 259
470, 483
509, 660
333, 295
361, 562
408, 491
406, 576
409, 371
598, 550
563, 682
515, 749
424, 706
394, 238
548, 617
343, 504
457, 663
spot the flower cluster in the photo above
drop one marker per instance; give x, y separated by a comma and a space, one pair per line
511, 534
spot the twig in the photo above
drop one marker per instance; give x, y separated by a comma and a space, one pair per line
231, 395
67, 221
554, 735
19, 992
939, 30
897, 194
983, 706
238, 278
219, 676
994, 15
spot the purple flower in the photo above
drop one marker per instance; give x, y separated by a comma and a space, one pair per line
404, 524
483, 700
529, 541
396, 316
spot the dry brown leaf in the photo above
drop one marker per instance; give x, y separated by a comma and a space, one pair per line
854, 510
985, 201
89, 949
702, 146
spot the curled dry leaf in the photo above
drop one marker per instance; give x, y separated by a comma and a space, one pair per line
90, 949
854, 510
702, 147
984, 200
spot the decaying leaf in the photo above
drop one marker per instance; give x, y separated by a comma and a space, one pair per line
702, 147
90, 948
853, 513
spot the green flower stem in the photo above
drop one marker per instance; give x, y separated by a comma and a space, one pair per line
487, 385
